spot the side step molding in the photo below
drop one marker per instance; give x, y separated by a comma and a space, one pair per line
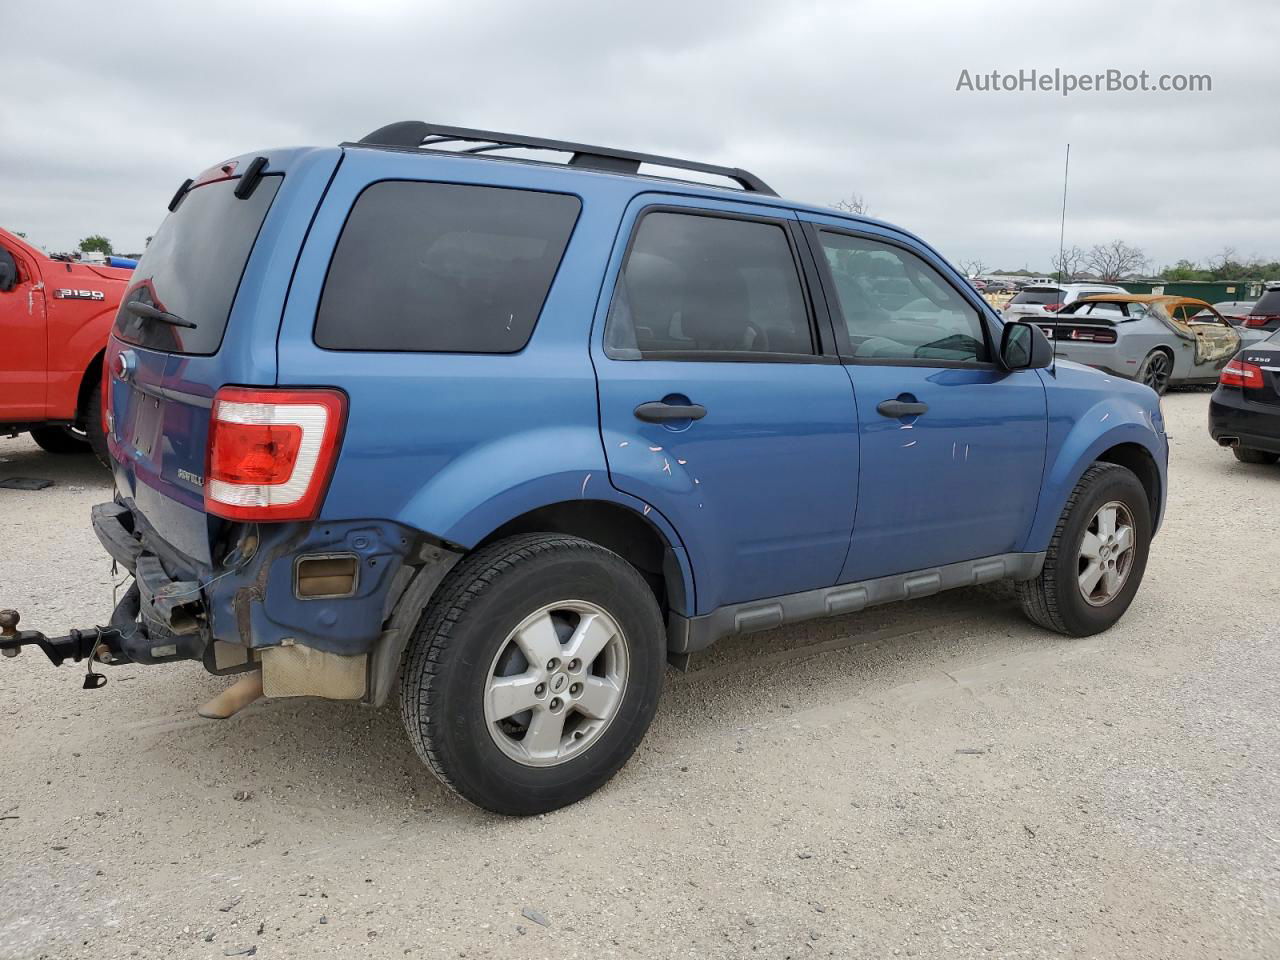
690, 634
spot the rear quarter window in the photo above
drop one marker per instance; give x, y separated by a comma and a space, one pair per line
443, 268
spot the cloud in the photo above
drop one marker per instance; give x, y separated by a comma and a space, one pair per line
115, 104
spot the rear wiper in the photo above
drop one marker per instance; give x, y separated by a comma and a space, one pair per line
147, 311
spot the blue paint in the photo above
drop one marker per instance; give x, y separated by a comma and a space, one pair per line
791, 482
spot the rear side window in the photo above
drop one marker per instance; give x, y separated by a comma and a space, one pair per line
1039, 297
443, 268
702, 287
193, 265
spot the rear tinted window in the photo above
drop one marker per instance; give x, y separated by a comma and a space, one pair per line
443, 268
193, 265
1268, 304
1038, 296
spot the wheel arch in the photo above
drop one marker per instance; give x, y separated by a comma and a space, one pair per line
1130, 441
89, 381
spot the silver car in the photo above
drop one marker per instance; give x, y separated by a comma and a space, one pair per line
1158, 340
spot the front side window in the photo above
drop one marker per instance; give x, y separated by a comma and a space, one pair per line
896, 307
443, 268
702, 287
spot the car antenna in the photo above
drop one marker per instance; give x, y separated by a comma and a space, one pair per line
1062, 233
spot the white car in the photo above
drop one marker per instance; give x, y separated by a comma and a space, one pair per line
1039, 301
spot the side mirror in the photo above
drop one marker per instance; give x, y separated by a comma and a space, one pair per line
1023, 346
8, 271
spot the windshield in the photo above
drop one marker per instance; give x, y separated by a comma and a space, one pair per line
192, 268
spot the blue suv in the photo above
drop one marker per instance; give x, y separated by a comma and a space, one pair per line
440, 411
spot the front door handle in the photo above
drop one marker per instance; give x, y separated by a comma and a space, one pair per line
656, 411
901, 408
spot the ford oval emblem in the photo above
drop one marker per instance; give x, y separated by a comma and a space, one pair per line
126, 363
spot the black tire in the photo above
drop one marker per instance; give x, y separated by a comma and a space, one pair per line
60, 440
93, 428
447, 666
1054, 599
1156, 370
1250, 455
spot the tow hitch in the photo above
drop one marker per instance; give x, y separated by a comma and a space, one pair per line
97, 643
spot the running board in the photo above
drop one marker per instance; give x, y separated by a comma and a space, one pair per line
690, 634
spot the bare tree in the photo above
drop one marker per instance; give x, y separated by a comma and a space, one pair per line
1223, 259
1115, 260
1069, 263
973, 268
853, 204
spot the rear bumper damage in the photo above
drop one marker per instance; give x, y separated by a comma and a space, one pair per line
311, 605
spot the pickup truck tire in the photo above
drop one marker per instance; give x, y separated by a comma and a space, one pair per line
59, 440
93, 428
1084, 555
471, 663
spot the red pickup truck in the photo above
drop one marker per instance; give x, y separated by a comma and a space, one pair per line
54, 319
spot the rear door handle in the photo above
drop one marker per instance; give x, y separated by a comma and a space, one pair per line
656, 411
901, 408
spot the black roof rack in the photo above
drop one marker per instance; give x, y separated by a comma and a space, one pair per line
415, 134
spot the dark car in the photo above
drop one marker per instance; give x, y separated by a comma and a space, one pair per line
1265, 314
1244, 412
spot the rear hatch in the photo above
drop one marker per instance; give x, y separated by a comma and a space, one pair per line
1034, 302
1265, 314
203, 310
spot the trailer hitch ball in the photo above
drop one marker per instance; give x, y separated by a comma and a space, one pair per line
9, 628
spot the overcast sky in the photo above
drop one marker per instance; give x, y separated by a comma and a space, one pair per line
110, 105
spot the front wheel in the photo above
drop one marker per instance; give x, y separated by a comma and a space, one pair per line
1097, 556
534, 673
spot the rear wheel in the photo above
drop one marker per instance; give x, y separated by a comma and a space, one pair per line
60, 440
1097, 556
1250, 455
1156, 370
534, 673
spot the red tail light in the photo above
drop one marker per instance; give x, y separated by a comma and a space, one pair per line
271, 452
1053, 307
1259, 320
1092, 334
1240, 373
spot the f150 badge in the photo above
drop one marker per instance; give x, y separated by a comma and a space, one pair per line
62, 293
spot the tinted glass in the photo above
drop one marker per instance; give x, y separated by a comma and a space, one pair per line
1038, 296
1106, 309
1268, 304
445, 268
193, 265
897, 307
703, 285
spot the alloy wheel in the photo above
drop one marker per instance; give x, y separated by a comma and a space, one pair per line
1106, 553
556, 683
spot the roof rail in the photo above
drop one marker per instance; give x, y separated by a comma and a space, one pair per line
415, 134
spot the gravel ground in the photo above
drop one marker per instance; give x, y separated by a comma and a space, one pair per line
938, 779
